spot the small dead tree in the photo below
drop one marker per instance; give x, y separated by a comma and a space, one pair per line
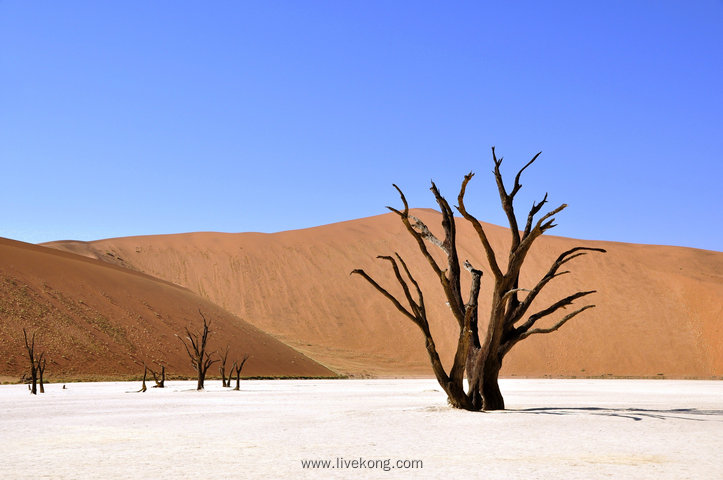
40, 366
34, 360
222, 368
237, 367
230, 375
160, 379
145, 374
196, 348
480, 356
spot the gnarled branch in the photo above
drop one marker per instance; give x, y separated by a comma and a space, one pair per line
557, 325
551, 309
491, 257
389, 296
552, 273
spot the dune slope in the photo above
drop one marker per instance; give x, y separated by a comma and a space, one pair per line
658, 308
96, 320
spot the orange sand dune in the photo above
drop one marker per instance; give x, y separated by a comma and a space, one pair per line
658, 308
94, 319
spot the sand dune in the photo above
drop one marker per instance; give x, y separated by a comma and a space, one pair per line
658, 308
96, 319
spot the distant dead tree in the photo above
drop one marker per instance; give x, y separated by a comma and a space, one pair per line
160, 379
196, 348
236, 369
222, 369
37, 364
509, 322
41, 364
145, 374
230, 375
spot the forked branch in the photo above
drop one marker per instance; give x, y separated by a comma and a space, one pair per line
552, 273
559, 324
489, 252
551, 309
388, 295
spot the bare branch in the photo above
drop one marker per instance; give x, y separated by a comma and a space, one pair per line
420, 296
509, 293
507, 201
422, 228
546, 226
517, 185
552, 309
552, 273
491, 258
557, 325
451, 283
403, 283
404, 199
188, 351
536, 207
389, 296
404, 215
450, 229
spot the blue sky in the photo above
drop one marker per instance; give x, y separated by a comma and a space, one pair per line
130, 118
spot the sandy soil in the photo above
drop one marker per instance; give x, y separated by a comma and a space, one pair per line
95, 320
658, 309
643, 429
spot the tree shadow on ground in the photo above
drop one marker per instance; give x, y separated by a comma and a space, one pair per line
637, 414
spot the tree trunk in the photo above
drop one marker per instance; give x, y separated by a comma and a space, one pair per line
238, 380
34, 381
40, 380
222, 369
143, 386
201, 379
475, 397
491, 394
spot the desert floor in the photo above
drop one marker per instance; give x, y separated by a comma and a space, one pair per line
553, 429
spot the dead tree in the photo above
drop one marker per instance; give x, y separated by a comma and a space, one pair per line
160, 382
145, 374
237, 367
30, 348
230, 374
222, 368
479, 357
40, 367
200, 359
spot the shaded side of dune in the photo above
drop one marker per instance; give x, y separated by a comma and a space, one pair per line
96, 321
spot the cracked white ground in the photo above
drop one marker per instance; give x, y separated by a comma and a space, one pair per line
661, 429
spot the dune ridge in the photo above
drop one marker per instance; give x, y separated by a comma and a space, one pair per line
658, 307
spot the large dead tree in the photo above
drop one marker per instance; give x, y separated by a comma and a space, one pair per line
201, 360
479, 355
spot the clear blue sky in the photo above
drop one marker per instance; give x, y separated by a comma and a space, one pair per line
130, 118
